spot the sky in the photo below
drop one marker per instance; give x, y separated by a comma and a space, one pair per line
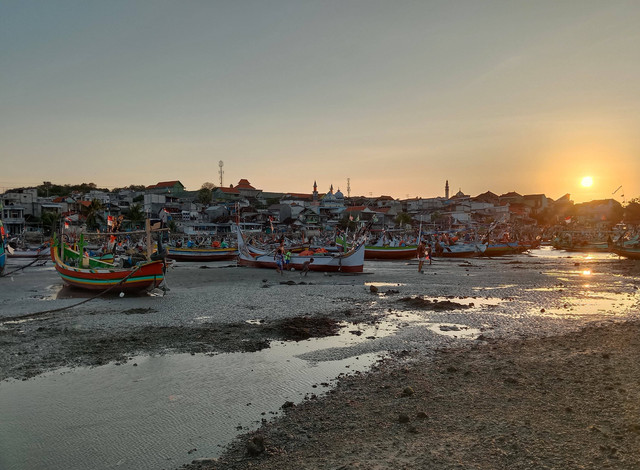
394, 97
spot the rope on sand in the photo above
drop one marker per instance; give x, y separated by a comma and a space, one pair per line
27, 316
23, 267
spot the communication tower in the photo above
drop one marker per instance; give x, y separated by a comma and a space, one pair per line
348, 187
221, 164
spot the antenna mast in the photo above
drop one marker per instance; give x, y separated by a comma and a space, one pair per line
221, 164
348, 187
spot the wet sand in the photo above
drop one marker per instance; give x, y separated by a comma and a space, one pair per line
515, 362
562, 402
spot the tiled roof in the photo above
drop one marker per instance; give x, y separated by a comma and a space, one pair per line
244, 184
164, 184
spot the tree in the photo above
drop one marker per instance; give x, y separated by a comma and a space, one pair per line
94, 214
135, 214
632, 212
204, 195
49, 222
403, 219
209, 186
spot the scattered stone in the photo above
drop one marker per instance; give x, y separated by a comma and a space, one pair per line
373, 289
407, 392
288, 404
403, 418
421, 415
255, 445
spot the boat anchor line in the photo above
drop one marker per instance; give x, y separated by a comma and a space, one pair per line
23, 267
27, 316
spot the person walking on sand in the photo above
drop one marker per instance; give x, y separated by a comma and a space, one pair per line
421, 251
429, 252
305, 267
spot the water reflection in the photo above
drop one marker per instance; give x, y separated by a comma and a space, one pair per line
153, 412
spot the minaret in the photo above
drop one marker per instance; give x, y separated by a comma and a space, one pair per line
331, 189
446, 190
315, 193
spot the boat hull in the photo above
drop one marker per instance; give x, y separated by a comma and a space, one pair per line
349, 262
43, 253
374, 252
466, 250
390, 253
631, 253
201, 254
146, 275
499, 249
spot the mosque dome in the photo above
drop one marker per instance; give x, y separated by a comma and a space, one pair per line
339, 194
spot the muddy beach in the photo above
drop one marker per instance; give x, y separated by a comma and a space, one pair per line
526, 361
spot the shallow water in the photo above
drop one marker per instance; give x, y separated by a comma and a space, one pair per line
162, 413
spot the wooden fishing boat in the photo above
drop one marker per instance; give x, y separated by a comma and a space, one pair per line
350, 262
143, 275
3, 253
460, 250
201, 254
387, 252
581, 242
43, 251
631, 252
629, 248
102, 261
508, 248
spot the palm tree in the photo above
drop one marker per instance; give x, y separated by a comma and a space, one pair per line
403, 219
94, 214
135, 214
49, 222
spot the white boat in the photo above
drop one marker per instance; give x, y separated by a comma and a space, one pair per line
350, 262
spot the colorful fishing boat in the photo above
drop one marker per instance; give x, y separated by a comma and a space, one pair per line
3, 253
350, 262
141, 276
101, 261
201, 253
386, 252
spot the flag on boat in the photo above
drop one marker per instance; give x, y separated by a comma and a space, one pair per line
567, 220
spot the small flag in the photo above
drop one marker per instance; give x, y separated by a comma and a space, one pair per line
351, 218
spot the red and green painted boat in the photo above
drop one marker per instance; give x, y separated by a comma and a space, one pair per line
387, 252
144, 275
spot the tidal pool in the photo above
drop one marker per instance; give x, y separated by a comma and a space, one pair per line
158, 412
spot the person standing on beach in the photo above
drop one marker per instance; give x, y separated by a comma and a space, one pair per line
421, 251
429, 252
279, 257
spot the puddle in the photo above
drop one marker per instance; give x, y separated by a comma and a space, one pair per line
504, 286
590, 304
452, 330
384, 284
154, 414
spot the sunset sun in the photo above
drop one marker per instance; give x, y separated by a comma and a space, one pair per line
587, 181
